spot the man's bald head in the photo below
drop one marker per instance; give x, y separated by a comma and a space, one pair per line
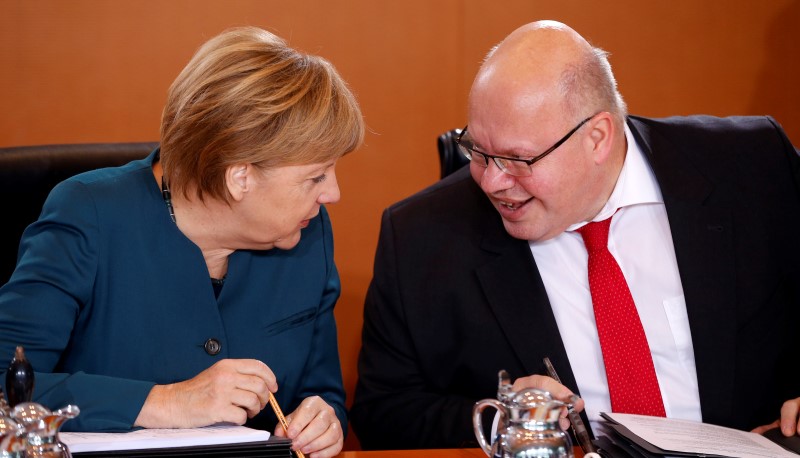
547, 65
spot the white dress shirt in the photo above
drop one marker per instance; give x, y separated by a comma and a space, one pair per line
641, 242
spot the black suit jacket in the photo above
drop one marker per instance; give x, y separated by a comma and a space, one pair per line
454, 298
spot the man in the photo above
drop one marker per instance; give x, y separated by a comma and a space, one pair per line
488, 269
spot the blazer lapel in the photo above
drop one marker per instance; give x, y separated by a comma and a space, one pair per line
518, 299
702, 236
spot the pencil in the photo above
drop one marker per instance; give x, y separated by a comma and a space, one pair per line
278, 413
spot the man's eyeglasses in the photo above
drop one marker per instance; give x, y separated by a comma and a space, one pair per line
510, 165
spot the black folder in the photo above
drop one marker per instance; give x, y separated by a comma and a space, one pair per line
623, 443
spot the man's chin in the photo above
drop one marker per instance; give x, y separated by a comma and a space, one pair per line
516, 229
522, 230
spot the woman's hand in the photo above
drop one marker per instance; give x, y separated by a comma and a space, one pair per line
230, 391
314, 429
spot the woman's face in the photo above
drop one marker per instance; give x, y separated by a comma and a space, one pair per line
280, 202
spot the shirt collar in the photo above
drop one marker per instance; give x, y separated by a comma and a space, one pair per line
636, 183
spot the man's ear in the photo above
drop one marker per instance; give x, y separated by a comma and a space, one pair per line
239, 180
601, 136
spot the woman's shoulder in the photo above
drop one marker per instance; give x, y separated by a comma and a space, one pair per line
111, 178
109, 182
103, 194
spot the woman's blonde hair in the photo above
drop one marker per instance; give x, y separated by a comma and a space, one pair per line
247, 97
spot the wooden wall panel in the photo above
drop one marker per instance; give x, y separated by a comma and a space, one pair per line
96, 70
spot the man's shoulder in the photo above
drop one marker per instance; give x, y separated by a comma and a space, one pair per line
705, 126
710, 138
456, 191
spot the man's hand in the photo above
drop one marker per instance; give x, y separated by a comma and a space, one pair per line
557, 390
314, 429
230, 391
788, 421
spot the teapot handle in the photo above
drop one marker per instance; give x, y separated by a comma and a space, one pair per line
477, 421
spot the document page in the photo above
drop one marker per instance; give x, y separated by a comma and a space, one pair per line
699, 438
161, 438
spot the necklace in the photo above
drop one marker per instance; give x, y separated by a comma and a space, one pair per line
167, 198
216, 283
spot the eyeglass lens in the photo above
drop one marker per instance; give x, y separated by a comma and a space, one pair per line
515, 168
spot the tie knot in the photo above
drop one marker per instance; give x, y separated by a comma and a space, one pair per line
595, 235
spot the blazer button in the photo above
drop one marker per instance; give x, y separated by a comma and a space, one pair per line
212, 347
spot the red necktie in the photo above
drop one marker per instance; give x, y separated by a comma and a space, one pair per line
632, 382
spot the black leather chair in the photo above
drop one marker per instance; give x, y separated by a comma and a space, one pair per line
28, 173
450, 158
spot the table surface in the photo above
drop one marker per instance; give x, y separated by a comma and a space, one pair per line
448, 453
442, 453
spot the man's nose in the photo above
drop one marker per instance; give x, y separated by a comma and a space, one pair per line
495, 180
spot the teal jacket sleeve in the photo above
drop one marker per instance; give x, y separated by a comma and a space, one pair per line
40, 305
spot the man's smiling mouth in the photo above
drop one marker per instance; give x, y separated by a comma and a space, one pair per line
513, 205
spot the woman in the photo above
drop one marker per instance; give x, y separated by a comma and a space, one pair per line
179, 290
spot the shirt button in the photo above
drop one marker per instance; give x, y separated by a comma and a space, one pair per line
212, 347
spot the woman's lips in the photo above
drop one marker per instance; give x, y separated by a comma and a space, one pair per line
306, 222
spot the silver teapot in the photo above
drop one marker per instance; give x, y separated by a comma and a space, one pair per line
41, 428
12, 438
528, 425
28, 429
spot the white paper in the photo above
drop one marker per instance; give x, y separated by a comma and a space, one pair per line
161, 438
700, 438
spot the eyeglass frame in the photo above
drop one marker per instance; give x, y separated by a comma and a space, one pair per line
467, 152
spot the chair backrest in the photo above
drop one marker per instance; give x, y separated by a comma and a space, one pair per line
28, 173
450, 158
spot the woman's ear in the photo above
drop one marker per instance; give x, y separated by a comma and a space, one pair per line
239, 180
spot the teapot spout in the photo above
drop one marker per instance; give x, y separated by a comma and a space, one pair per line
54, 421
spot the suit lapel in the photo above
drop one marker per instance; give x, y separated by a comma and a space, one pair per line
702, 236
518, 299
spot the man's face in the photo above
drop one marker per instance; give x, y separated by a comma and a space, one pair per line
557, 194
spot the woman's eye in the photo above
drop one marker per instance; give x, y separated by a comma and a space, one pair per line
319, 179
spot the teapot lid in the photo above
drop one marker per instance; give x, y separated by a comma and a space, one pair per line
537, 405
29, 412
531, 397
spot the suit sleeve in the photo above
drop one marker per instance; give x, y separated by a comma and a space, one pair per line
395, 406
789, 371
41, 304
794, 159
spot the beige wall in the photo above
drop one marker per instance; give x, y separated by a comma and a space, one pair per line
98, 70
